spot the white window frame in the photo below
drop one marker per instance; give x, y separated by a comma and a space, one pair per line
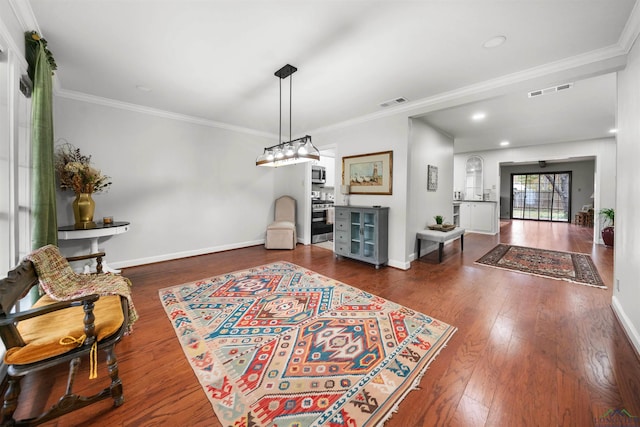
17, 142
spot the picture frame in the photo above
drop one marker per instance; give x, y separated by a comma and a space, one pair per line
368, 173
432, 178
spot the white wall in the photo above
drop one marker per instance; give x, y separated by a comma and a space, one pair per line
186, 188
604, 151
626, 291
389, 133
428, 146
329, 163
291, 181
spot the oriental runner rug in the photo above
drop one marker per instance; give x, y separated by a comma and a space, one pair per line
280, 345
569, 266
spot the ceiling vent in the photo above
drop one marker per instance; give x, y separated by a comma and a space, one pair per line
548, 90
394, 101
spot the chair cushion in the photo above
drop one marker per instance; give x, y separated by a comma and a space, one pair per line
281, 225
42, 334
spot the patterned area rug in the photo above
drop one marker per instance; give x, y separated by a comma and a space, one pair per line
572, 267
279, 345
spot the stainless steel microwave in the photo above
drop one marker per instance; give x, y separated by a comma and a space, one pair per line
318, 175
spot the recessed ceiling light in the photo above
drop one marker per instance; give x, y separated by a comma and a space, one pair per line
478, 116
614, 130
504, 143
143, 88
494, 42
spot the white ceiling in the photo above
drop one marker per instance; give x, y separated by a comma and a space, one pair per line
214, 60
585, 111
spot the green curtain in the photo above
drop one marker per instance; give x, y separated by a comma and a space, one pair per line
43, 200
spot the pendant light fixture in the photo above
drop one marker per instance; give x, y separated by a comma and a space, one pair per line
293, 151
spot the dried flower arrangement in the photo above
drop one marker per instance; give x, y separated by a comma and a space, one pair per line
75, 172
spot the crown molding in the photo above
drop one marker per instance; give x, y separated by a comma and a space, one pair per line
24, 14
612, 52
411, 108
631, 29
80, 96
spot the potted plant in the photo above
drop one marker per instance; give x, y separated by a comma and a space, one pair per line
439, 219
607, 231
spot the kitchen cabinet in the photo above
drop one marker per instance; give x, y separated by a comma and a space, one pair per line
362, 233
479, 217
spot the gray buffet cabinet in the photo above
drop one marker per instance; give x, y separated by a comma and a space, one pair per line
362, 233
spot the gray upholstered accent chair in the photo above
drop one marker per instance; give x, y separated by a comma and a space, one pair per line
281, 234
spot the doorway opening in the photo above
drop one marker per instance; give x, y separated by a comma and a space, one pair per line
541, 196
322, 201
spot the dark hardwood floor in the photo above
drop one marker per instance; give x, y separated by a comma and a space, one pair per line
529, 351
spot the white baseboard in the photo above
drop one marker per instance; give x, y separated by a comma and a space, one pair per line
399, 264
204, 251
185, 254
630, 330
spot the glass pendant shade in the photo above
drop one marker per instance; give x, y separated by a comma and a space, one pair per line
261, 158
288, 151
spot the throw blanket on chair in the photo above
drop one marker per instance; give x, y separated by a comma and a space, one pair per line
61, 283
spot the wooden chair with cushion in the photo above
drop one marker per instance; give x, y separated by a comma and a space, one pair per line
77, 316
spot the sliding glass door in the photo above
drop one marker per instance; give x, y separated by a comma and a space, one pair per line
541, 196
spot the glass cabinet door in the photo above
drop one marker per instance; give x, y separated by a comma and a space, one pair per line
356, 225
473, 188
369, 234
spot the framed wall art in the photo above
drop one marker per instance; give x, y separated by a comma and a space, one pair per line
368, 173
432, 178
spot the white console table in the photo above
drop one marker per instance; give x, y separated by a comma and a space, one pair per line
69, 232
